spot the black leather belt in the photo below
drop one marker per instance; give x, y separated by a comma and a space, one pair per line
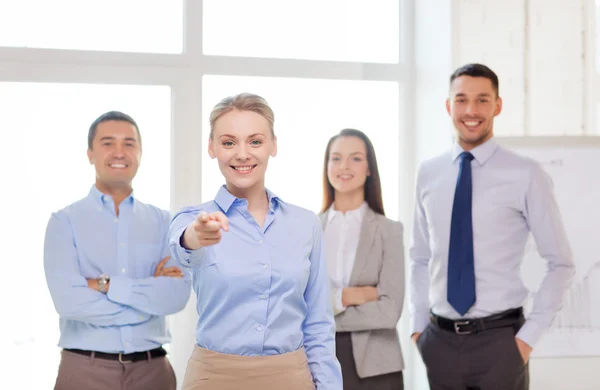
474, 325
122, 357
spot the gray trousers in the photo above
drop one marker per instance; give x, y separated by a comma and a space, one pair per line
79, 372
488, 360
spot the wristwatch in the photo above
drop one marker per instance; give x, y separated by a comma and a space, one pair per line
103, 283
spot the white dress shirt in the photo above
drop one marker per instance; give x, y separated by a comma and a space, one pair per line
512, 196
341, 240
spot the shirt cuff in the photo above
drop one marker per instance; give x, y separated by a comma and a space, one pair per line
419, 322
338, 306
530, 333
186, 257
120, 289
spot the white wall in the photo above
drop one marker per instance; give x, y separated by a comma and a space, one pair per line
537, 48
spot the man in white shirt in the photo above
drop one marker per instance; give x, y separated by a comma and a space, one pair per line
475, 207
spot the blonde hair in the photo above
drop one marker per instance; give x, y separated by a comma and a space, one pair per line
243, 102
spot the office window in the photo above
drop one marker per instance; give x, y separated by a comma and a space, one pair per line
44, 168
335, 30
307, 113
114, 25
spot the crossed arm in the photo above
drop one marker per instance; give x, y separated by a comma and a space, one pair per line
128, 302
378, 307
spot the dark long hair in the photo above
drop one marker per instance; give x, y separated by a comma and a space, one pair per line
372, 185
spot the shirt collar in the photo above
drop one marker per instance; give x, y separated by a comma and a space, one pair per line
356, 214
101, 198
225, 199
481, 153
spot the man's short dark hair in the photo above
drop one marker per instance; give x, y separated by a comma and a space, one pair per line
111, 116
477, 70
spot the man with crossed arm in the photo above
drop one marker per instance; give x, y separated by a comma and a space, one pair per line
109, 273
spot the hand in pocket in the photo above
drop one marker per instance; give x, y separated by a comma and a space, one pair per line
524, 349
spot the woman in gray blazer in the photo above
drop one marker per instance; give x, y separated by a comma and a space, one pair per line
365, 258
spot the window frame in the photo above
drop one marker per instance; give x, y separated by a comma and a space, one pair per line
183, 73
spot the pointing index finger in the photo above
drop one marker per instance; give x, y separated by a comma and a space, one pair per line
203, 216
223, 220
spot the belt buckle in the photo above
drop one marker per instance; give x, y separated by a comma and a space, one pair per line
121, 359
458, 324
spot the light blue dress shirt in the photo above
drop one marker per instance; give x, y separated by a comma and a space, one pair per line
87, 239
263, 291
512, 196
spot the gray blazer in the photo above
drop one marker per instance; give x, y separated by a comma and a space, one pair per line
379, 262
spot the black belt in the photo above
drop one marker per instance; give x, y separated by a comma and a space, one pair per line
122, 357
474, 325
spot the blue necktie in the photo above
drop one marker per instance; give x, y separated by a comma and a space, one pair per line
461, 270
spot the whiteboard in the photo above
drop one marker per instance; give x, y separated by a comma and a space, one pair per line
573, 163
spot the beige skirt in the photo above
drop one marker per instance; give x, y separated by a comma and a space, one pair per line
209, 370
